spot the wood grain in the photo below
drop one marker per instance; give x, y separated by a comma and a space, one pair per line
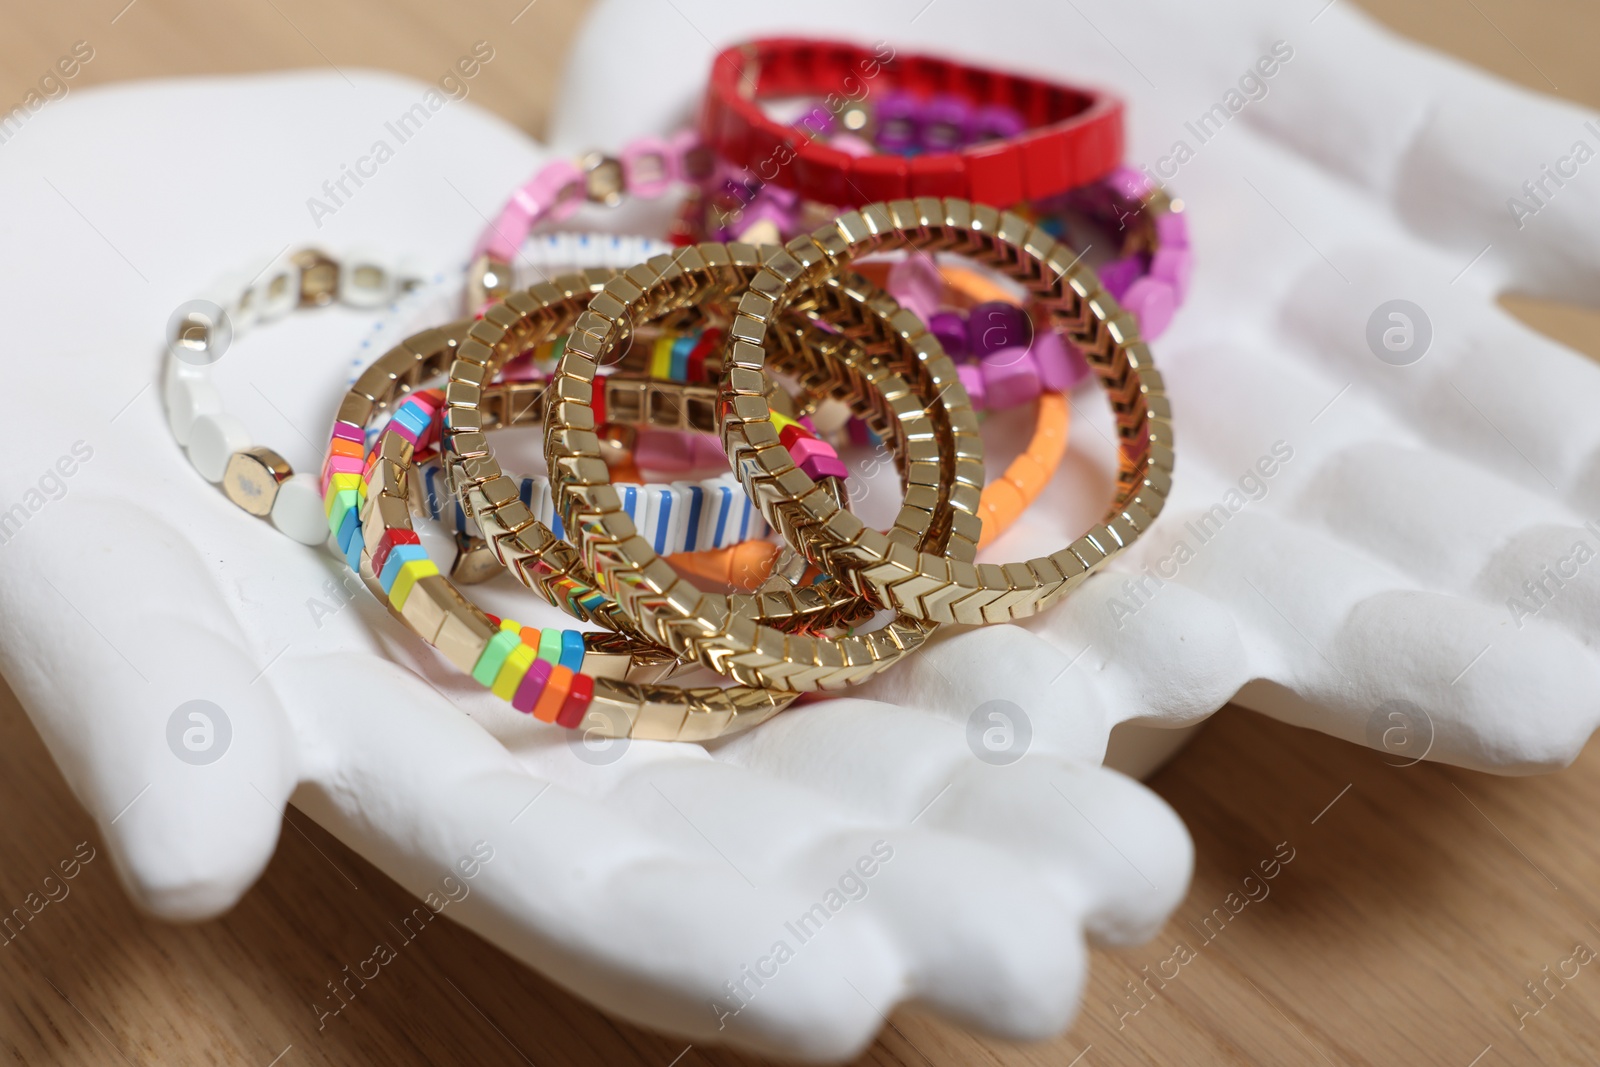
1417, 903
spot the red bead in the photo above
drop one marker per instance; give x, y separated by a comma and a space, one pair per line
822, 173
938, 174
577, 702
875, 178
769, 148
787, 68
791, 433
1044, 165
697, 355
732, 135
711, 111
831, 65
386, 544
994, 175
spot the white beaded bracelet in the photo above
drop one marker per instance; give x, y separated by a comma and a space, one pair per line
219, 445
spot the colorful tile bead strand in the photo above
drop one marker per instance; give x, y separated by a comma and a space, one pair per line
219, 445
618, 705
811, 454
920, 583
565, 677
722, 631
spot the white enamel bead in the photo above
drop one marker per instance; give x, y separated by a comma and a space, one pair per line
191, 398
298, 510
212, 440
681, 499
276, 292
649, 520
547, 508
365, 280
174, 371
244, 310
231, 293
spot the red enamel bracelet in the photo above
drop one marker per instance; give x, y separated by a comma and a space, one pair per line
1074, 135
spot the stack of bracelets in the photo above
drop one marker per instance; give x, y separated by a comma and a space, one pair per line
871, 250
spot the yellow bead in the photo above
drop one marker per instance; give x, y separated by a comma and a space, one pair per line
410, 574
511, 672
661, 358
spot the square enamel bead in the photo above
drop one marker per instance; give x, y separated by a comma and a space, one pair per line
1119, 274
494, 654
512, 672
994, 325
412, 572
572, 650
349, 529
555, 692
1060, 368
391, 538
1010, 378
577, 702
1151, 301
398, 557
532, 685
817, 458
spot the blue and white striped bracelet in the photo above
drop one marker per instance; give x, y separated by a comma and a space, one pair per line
675, 517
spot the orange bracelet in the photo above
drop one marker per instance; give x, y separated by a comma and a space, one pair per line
1004, 501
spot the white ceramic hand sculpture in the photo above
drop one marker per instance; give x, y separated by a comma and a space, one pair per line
655, 880
1379, 557
1379, 526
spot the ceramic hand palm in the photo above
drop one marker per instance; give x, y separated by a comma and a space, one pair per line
865, 836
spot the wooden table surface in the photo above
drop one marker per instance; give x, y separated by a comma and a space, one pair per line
1419, 905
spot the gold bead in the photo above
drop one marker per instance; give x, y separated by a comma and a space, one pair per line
474, 562
319, 278
487, 279
252, 478
603, 180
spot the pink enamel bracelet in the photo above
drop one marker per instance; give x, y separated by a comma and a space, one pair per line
647, 168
